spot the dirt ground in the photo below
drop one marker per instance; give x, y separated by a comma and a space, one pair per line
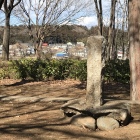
43, 120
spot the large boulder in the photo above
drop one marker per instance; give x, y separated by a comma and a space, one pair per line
84, 121
107, 123
123, 116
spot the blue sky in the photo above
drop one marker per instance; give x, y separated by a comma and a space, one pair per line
88, 21
91, 19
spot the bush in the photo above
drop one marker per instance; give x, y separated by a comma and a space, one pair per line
78, 70
20, 67
30, 68
114, 71
6, 70
117, 71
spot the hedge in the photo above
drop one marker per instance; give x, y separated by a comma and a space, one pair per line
38, 70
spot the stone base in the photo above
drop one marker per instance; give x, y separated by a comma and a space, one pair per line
107, 123
84, 121
107, 117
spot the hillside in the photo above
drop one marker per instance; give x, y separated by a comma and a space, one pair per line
64, 34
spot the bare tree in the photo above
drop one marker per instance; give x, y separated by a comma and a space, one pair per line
8, 7
1, 3
111, 34
124, 21
47, 15
98, 6
122, 25
134, 38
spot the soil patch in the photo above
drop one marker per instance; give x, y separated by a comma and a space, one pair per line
43, 120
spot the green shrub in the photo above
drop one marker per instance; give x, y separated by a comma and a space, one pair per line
20, 67
62, 69
117, 71
114, 71
6, 70
35, 69
78, 70
2, 73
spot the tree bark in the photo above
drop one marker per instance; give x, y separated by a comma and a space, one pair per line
111, 34
1, 3
134, 38
98, 6
39, 49
6, 37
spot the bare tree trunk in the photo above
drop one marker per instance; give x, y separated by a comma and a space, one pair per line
134, 37
98, 6
123, 26
122, 39
127, 18
39, 49
1, 3
111, 34
6, 37
116, 34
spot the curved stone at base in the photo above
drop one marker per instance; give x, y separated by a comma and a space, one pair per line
84, 121
122, 116
107, 123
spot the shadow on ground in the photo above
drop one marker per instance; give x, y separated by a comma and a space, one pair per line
45, 121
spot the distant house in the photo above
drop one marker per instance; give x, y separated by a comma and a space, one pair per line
69, 44
120, 55
44, 44
80, 44
78, 51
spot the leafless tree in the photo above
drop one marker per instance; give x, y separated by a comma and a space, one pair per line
121, 27
111, 34
1, 3
98, 6
124, 26
7, 9
45, 14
